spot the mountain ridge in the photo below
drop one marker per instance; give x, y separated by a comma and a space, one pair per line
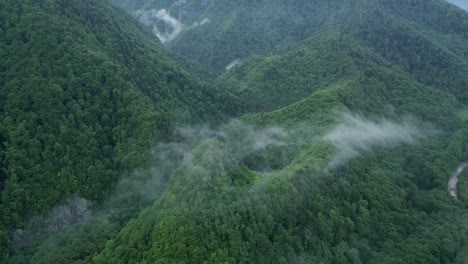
84, 96
349, 117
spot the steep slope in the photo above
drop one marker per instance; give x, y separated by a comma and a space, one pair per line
387, 206
374, 65
236, 30
342, 52
357, 119
84, 93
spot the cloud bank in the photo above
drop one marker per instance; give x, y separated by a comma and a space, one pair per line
355, 135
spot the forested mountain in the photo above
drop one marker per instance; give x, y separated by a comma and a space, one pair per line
460, 3
237, 30
377, 39
349, 120
84, 93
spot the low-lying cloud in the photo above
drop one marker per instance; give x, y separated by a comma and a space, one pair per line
171, 26
240, 142
233, 64
164, 26
202, 22
39, 227
355, 135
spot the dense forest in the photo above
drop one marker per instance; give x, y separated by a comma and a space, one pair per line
168, 131
85, 92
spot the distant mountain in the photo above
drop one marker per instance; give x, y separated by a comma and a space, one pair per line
461, 3
381, 36
219, 33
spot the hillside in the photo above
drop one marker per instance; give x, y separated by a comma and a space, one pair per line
345, 52
236, 31
350, 117
84, 92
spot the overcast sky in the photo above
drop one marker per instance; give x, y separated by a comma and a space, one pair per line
460, 3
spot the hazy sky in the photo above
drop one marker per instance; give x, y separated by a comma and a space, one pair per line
460, 3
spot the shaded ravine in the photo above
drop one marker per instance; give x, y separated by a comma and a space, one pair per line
452, 184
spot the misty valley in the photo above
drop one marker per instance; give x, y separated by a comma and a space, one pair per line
216, 131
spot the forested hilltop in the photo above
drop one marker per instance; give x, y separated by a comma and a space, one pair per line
233, 131
460, 3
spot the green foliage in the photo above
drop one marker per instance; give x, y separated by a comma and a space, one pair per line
85, 92
363, 213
